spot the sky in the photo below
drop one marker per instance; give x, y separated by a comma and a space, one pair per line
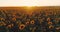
29, 3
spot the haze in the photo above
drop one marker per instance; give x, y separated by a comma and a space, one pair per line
29, 3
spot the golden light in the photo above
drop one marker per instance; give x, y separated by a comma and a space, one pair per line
28, 9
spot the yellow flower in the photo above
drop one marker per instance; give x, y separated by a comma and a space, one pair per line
50, 27
14, 19
2, 19
58, 28
48, 19
21, 26
9, 26
32, 22
50, 23
27, 23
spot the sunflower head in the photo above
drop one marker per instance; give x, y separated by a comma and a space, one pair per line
21, 26
32, 22
27, 23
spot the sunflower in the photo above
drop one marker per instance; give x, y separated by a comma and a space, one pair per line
51, 26
21, 26
27, 23
2, 19
50, 23
57, 28
9, 26
32, 22
14, 19
48, 19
